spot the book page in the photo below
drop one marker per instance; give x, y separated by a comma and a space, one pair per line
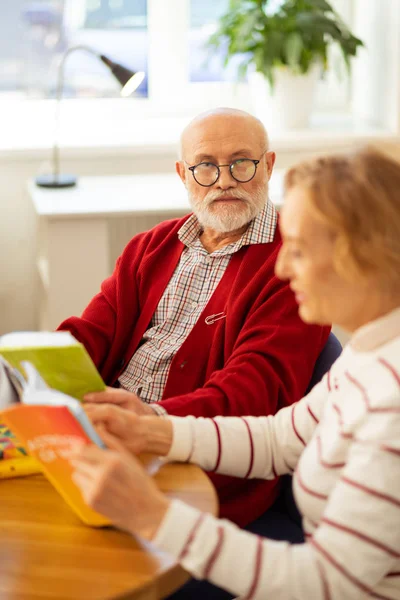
37, 339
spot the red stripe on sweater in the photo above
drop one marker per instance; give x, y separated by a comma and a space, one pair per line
323, 462
394, 451
360, 387
361, 536
370, 491
343, 434
312, 414
219, 445
295, 428
322, 574
257, 571
345, 572
191, 537
251, 448
339, 413
328, 381
390, 367
307, 489
370, 409
385, 409
215, 553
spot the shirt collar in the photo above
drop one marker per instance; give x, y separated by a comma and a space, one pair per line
261, 229
377, 333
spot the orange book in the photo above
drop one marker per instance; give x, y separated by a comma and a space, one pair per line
48, 423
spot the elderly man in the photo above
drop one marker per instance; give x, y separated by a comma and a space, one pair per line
193, 320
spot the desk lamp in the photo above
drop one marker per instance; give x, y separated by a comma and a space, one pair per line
129, 81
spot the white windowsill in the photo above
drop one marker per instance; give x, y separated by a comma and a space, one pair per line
129, 127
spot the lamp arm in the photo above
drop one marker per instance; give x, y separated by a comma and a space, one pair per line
59, 94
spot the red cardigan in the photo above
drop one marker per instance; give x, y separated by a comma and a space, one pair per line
253, 362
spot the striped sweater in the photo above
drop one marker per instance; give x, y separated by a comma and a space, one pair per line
342, 443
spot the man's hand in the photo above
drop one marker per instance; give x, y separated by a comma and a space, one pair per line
136, 434
115, 484
122, 398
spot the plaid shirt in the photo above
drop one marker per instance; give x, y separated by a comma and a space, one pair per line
186, 296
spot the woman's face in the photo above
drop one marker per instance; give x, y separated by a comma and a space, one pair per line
306, 260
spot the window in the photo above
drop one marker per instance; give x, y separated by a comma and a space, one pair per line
166, 39
116, 28
204, 66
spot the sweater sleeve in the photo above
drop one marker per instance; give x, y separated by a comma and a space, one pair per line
249, 447
270, 366
356, 544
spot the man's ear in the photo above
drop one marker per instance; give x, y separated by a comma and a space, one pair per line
270, 161
180, 169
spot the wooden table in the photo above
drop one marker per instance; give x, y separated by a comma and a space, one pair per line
47, 553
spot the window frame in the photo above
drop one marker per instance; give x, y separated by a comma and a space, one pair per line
119, 118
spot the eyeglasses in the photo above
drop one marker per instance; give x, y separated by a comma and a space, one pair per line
207, 173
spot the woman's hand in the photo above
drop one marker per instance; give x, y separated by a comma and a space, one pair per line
122, 398
136, 434
115, 484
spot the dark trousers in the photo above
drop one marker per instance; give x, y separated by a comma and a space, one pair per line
277, 523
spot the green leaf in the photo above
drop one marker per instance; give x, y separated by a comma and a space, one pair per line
296, 34
292, 48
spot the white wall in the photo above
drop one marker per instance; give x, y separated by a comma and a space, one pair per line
19, 288
18, 275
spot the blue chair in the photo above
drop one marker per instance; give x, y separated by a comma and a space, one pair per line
325, 360
328, 356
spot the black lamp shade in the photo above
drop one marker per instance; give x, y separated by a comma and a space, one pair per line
121, 73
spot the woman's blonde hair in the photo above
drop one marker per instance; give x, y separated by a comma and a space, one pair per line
358, 196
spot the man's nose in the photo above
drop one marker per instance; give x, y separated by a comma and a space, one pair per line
225, 180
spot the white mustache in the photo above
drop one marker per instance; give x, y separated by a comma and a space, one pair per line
217, 195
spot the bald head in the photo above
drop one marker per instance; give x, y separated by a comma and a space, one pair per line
223, 128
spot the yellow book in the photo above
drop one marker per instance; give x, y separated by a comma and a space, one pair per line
48, 423
61, 360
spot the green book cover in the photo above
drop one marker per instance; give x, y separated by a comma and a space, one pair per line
61, 360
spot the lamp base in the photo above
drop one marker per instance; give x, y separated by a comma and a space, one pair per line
56, 181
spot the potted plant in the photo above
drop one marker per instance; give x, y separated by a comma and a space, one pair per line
284, 47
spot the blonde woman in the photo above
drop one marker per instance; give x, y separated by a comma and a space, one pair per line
341, 254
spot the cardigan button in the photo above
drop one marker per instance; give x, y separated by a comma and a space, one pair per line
183, 364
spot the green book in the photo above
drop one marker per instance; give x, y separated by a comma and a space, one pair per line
61, 360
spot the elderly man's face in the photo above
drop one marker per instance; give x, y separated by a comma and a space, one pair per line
227, 205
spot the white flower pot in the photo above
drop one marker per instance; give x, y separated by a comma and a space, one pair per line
290, 103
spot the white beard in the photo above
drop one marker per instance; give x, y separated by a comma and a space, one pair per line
225, 218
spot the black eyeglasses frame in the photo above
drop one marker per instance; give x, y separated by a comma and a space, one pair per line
218, 167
